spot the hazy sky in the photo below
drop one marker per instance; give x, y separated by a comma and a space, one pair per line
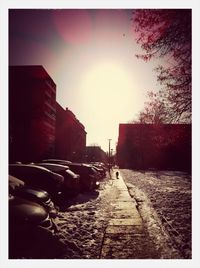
90, 55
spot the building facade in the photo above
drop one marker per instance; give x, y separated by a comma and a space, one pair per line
32, 113
144, 146
70, 136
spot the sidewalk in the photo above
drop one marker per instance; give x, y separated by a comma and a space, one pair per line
125, 236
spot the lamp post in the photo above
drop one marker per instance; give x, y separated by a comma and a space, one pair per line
109, 140
111, 157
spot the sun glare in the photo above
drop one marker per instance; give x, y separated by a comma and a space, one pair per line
107, 89
107, 97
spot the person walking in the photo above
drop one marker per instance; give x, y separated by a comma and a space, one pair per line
117, 175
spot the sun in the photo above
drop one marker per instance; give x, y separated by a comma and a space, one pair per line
108, 96
107, 88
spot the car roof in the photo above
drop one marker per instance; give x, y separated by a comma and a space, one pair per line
52, 165
39, 168
56, 160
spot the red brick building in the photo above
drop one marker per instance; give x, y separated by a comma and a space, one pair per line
32, 113
70, 136
143, 146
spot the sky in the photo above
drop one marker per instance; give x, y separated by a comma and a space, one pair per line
90, 55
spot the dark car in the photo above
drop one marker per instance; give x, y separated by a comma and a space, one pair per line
38, 177
57, 161
15, 182
88, 176
100, 167
71, 183
31, 230
18, 188
100, 173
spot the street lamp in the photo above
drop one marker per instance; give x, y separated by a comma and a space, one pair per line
109, 140
111, 157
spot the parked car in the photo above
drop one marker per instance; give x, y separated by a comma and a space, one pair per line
14, 182
39, 177
31, 231
71, 183
99, 172
56, 161
101, 167
88, 176
18, 188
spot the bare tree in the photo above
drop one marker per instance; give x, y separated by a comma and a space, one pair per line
166, 33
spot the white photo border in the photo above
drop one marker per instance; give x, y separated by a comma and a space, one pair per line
92, 4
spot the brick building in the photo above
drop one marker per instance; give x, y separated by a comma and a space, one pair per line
32, 113
165, 146
70, 136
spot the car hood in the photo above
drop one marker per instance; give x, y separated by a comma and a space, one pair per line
24, 211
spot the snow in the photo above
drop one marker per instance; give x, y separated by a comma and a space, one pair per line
83, 223
164, 202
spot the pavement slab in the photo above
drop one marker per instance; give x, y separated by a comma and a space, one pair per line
124, 214
117, 230
125, 204
128, 221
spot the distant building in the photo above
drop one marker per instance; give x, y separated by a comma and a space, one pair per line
95, 154
70, 135
32, 113
144, 146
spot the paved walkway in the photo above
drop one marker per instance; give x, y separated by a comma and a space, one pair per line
125, 236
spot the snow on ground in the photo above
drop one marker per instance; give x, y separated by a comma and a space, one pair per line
83, 222
164, 202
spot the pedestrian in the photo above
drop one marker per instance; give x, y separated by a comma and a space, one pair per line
117, 175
